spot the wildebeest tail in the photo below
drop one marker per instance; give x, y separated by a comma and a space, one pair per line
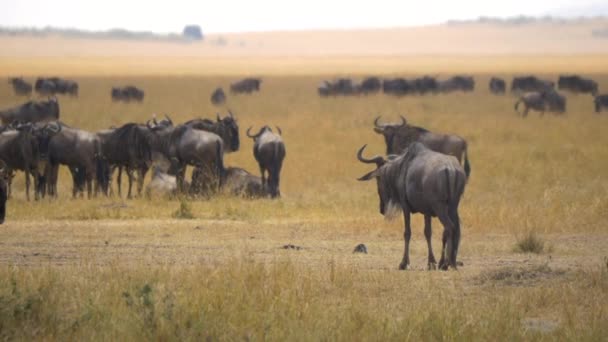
102, 170
467, 165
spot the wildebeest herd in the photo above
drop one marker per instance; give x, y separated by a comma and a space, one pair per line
422, 172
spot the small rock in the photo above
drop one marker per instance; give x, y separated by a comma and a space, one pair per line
360, 248
290, 246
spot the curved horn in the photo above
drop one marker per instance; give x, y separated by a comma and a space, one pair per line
403, 121
230, 113
154, 119
249, 134
148, 124
376, 122
279, 129
169, 119
378, 160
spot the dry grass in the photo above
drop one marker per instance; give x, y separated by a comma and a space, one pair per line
117, 269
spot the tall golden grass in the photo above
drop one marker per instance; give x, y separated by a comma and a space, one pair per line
115, 269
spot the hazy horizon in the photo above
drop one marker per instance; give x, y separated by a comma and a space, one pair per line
273, 15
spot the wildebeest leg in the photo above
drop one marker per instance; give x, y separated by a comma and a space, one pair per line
119, 181
407, 234
428, 232
89, 176
141, 175
456, 236
447, 249
27, 184
130, 177
264, 181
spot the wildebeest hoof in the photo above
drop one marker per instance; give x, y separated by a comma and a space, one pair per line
360, 248
403, 266
432, 266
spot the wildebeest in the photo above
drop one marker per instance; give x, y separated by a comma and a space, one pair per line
600, 102
218, 97
127, 94
341, 86
269, 152
397, 86
4, 179
530, 83
457, 83
20, 86
370, 85
421, 181
56, 85
162, 183
32, 111
400, 136
247, 85
227, 128
26, 148
240, 182
497, 85
77, 149
426, 84
577, 84
541, 101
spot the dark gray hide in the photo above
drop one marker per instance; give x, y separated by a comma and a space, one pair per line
269, 152
600, 102
247, 86
421, 181
20, 87
218, 97
32, 111
227, 128
577, 84
497, 86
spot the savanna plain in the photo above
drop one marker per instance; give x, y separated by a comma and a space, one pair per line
117, 269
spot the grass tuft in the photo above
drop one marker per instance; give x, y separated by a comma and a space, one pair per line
530, 243
184, 211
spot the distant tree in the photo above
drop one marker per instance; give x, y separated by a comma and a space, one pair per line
193, 32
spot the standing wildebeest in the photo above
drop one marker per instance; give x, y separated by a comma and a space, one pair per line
457, 83
21, 87
56, 85
577, 84
227, 128
269, 152
25, 148
541, 101
600, 102
218, 97
4, 179
497, 85
127, 94
421, 181
370, 85
397, 86
32, 111
79, 150
398, 137
530, 83
247, 85
426, 84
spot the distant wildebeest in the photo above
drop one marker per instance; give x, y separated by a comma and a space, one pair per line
32, 111
269, 152
25, 148
400, 136
325, 89
218, 97
497, 86
397, 86
421, 181
541, 101
577, 84
247, 85
600, 102
20, 86
4, 179
457, 83
370, 85
426, 84
240, 182
127, 94
530, 83
56, 85
80, 151
341, 86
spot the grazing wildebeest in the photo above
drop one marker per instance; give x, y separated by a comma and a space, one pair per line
26, 148
426, 84
421, 181
397, 86
79, 150
56, 85
398, 137
32, 111
541, 101
127, 94
21, 87
370, 85
4, 179
184, 145
269, 152
240, 182
129, 146
577, 84
227, 128
218, 97
497, 85
530, 83
600, 102
247, 85
457, 83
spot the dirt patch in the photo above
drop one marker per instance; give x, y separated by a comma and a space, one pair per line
529, 275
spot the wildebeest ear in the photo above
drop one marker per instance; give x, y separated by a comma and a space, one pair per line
368, 176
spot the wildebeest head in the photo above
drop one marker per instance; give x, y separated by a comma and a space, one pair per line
383, 189
389, 131
4, 180
232, 130
43, 134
